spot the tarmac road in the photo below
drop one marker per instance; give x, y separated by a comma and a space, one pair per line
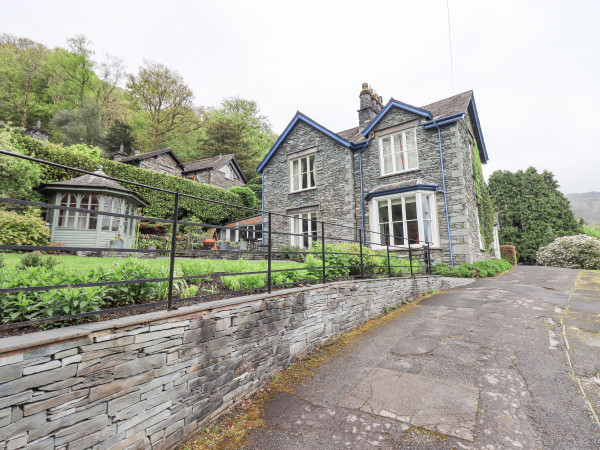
507, 362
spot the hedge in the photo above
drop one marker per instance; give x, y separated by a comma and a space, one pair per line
479, 269
161, 203
509, 253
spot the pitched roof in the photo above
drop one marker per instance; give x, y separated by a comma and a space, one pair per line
452, 105
92, 182
352, 135
213, 163
147, 155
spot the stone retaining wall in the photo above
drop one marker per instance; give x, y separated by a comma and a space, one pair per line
148, 381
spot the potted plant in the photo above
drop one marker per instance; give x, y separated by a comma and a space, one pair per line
223, 245
234, 246
117, 242
208, 241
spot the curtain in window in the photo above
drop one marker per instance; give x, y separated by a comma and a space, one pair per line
67, 218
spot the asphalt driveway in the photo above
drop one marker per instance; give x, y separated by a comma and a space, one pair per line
509, 362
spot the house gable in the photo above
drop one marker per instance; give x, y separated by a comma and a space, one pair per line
299, 117
413, 111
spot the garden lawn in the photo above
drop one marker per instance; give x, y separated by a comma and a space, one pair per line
218, 265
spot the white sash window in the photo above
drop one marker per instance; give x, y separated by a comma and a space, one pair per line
398, 152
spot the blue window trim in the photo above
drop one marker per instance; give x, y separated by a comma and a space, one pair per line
479, 136
416, 187
397, 104
301, 117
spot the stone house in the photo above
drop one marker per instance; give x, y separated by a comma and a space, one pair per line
163, 161
222, 171
404, 173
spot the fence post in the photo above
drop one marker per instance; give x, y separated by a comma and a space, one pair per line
410, 258
323, 250
428, 259
387, 244
173, 248
269, 247
362, 267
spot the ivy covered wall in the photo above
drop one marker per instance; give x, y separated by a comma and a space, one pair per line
485, 206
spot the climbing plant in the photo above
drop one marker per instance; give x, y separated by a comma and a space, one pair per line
485, 206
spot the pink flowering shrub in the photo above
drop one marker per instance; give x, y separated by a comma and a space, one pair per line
573, 252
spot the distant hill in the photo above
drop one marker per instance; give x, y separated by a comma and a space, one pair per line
586, 205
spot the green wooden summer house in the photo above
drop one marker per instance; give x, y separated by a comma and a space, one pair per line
79, 229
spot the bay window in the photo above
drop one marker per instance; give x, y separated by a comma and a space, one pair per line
401, 218
66, 218
302, 173
398, 152
88, 221
304, 228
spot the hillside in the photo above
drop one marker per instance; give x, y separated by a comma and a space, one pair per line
586, 205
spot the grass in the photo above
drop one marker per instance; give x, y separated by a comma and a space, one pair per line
218, 265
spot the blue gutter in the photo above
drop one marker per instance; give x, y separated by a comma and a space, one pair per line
414, 187
436, 123
443, 121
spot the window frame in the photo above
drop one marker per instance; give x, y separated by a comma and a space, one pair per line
311, 234
377, 240
308, 172
404, 151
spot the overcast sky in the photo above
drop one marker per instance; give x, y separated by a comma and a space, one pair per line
534, 66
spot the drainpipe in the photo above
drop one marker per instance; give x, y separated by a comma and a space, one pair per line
362, 196
437, 125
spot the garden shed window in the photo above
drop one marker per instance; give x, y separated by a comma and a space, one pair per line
304, 229
302, 172
66, 218
112, 205
88, 221
403, 217
398, 152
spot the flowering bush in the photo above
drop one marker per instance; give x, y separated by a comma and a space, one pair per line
573, 252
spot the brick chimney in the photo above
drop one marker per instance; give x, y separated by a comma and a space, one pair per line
370, 105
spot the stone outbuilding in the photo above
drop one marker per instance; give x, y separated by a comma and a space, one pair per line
84, 229
222, 171
163, 161
404, 173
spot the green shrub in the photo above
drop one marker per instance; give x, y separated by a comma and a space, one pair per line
2, 262
20, 306
248, 197
509, 253
479, 269
237, 282
37, 259
22, 229
291, 252
573, 252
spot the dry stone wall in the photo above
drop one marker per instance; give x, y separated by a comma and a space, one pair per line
149, 381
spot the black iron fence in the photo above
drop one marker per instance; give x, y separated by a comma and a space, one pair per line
329, 257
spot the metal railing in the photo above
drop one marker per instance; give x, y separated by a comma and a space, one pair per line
409, 260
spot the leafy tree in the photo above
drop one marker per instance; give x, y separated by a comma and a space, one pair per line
80, 125
119, 133
256, 185
24, 76
238, 127
533, 212
163, 97
249, 199
75, 68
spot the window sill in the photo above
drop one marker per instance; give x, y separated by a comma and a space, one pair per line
303, 190
404, 247
399, 173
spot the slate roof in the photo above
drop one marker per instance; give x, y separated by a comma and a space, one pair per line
207, 163
352, 135
213, 163
452, 105
92, 182
143, 156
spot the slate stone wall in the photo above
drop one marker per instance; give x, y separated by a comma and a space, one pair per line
217, 178
149, 381
333, 196
162, 163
